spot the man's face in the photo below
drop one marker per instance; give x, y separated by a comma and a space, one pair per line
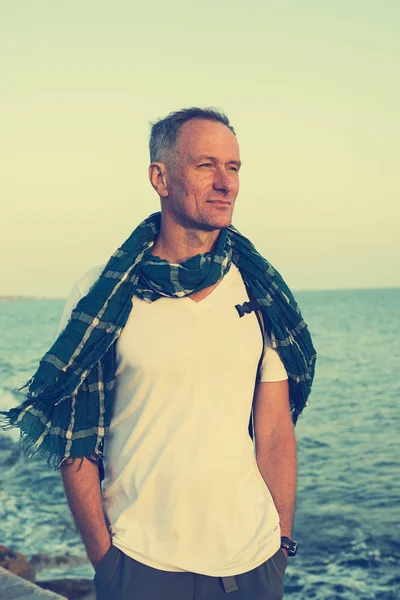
203, 182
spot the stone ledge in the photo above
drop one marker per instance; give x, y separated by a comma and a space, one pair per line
13, 587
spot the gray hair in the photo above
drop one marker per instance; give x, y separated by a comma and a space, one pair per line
164, 132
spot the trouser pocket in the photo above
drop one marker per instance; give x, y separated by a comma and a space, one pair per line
106, 569
275, 568
279, 560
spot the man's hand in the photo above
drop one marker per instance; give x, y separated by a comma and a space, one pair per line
99, 557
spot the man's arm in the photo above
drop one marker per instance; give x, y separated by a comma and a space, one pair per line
82, 488
276, 447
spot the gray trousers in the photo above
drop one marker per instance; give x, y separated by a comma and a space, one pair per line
119, 577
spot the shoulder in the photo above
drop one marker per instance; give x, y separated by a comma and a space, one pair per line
80, 288
88, 279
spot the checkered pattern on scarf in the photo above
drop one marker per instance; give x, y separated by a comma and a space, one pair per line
68, 404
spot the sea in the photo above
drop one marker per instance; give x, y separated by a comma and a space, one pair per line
348, 495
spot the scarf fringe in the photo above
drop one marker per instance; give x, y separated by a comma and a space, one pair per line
51, 447
55, 459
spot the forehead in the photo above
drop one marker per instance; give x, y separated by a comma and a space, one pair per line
200, 136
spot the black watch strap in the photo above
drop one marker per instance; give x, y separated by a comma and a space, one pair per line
289, 545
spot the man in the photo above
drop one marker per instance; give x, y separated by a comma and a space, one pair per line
157, 366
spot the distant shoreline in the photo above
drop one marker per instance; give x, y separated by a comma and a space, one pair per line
18, 298
12, 298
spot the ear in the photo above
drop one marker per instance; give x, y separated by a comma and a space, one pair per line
158, 178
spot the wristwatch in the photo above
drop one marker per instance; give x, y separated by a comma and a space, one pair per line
289, 545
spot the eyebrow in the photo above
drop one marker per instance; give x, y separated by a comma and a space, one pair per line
213, 159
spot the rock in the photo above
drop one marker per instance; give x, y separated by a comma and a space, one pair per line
73, 589
44, 561
16, 563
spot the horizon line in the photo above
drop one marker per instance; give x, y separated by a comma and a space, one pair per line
11, 297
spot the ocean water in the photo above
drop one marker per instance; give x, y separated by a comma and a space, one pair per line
348, 497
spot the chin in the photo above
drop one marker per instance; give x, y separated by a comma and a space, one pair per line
214, 224
223, 221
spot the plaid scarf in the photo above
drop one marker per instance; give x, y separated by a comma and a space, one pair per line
68, 406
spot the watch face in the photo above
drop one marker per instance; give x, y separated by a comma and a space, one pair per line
290, 545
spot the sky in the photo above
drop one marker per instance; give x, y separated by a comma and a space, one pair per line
312, 89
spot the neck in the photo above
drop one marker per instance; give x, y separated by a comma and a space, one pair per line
175, 243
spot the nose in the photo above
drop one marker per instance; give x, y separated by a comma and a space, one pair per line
222, 180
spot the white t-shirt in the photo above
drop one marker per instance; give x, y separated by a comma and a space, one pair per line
182, 488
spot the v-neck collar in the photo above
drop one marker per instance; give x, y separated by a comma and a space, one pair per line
199, 305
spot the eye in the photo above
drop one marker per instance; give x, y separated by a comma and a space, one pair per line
234, 169
206, 165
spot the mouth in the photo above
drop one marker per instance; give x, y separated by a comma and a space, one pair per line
220, 202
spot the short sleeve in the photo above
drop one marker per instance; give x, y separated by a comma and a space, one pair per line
79, 290
272, 368
72, 301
